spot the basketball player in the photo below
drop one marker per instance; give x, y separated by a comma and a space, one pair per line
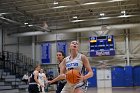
33, 81
74, 61
42, 79
60, 83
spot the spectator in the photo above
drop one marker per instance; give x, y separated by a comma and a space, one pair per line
25, 78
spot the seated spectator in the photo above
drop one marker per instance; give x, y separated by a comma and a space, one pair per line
25, 78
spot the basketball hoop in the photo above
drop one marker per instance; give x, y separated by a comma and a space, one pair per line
102, 66
104, 28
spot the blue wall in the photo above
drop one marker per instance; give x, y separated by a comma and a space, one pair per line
93, 80
128, 74
136, 75
117, 76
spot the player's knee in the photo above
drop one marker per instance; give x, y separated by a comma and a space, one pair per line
78, 90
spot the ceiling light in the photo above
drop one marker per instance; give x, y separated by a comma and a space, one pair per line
26, 23
59, 7
74, 21
30, 25
74, 17
1, 14
30, 33
123, 12
104, 18
91, 3
102, 14
125, 16
4, 13
116, 0
55, 3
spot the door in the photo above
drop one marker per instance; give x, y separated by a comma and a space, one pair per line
104, 78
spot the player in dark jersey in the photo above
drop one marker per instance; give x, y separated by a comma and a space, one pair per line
33, 80
60, 83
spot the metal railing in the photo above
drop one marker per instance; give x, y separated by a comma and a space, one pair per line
16, 63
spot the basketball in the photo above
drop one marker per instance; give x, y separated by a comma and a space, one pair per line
72, 76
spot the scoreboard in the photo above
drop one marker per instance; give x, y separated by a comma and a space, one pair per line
102, 46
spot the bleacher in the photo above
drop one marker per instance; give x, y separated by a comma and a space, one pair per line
12, 68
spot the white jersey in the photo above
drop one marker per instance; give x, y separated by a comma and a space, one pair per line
75, 63
41, 78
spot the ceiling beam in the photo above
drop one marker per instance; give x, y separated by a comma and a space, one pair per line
85, 29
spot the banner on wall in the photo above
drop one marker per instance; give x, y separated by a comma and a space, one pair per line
45, 53
62, 46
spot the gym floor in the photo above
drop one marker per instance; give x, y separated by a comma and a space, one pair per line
108, 90
113, 90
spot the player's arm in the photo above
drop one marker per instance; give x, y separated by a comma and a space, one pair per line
62, 66
87, 66
62, 72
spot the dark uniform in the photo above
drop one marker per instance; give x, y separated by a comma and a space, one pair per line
33, 87
60, 84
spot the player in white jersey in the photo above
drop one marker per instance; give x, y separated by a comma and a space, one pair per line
42, 79
74, 61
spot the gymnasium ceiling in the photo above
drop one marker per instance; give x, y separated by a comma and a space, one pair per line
66, 14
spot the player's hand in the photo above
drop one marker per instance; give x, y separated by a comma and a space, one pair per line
49, 82
81, 78
46, 82
63, 76
42, 85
